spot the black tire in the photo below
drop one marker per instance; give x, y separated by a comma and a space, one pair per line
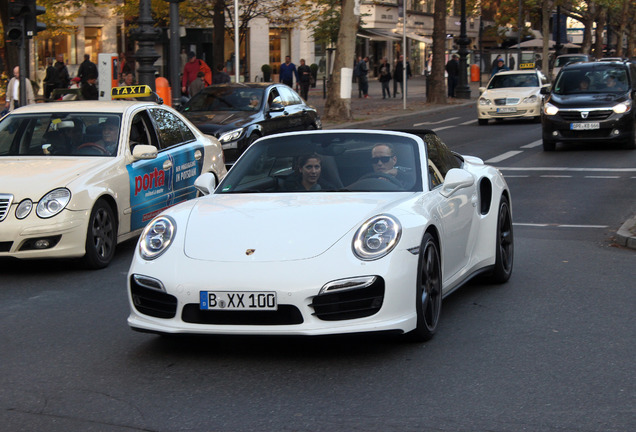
549, 145
505, 246
482, 122
101, 236
428, 300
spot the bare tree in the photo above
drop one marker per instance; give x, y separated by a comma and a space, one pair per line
436, 90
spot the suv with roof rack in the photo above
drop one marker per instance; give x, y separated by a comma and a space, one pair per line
591, 102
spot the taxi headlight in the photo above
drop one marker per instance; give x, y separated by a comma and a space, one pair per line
550, 109
157, 237
24, 209
232, 135
484, 101
530, 99
622, 107
376, 237
53, 202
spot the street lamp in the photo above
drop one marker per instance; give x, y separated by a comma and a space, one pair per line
175, 64
463, 90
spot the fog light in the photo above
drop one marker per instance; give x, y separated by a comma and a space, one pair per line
41, 244
555, 133
615, 132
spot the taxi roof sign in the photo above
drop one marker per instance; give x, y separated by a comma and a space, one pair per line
125, 92
528, 65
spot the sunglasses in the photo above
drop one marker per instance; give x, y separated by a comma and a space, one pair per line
383, 159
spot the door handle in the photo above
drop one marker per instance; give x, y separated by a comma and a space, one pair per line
167, 165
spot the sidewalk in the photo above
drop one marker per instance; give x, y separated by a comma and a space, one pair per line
375, 110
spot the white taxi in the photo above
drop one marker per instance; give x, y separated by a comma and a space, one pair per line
511, 94
76, 178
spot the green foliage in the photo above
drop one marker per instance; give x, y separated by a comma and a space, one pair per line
266, 69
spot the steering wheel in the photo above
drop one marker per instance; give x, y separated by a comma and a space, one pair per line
383, 176
95, 146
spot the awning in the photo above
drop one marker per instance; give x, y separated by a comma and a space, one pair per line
416, 37
378, 34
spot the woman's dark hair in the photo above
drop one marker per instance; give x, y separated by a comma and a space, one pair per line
302, 160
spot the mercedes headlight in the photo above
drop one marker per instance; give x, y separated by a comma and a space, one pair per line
157, 237
376, 237
53, 202
622, 107
484, 101
549, 109
232, 135
24, 209
530, 99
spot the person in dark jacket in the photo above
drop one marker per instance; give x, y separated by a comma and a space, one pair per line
385, 77
220, 76
304, 77
288, 72
398, 75
89, 89
87, 68
452, 69
50, 79
63, 77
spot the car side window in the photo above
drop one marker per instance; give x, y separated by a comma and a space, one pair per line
441, 159
289, 96
172, 130
273, 95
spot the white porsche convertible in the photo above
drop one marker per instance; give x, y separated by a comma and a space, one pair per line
325, 232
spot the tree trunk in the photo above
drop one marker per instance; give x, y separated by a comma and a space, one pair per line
436, 88
598, 39
336, 107
218, 54
546, 9
631, 40
622, 29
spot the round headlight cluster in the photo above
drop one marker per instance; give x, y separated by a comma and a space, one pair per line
530, 99
623, 107
376, 237
52, 203
484, 101
549, 109
157, 237
24, 209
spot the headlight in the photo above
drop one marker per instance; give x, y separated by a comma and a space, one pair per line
622, 107
232, 135
53, 203
484, 101
24, 208
530, 99
157, 237
376, 237
549, 109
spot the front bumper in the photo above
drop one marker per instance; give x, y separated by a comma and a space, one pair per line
508, 111
65, 234
611, 126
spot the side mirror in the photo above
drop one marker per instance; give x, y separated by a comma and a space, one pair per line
545, 90
205, 183
276, 107
456, 179
144, 152
482, 89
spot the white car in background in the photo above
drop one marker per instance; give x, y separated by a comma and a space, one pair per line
511, 94
76, 178
325, 232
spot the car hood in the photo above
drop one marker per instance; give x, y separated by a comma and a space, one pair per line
33, 177
590, 100
511, 92
210, 122
277, 227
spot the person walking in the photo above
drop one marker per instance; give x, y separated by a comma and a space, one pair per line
304, 75
50, 79
89, 89
220, 76
364, 77
190, 72
398, 75
86, 69
63, 77
197, 85
452, 69
288, 72
499, 67
13, 91
385, 77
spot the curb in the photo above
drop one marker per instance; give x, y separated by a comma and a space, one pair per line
626, 235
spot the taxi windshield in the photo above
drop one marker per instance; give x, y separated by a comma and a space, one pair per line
60, 134
332, 162
226, 99
516, 80
592, 79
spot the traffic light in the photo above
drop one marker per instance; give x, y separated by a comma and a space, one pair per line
33, 26
17, 10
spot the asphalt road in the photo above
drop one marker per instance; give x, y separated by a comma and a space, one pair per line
552, 350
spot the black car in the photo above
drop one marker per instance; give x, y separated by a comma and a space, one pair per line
239, 114
591, 102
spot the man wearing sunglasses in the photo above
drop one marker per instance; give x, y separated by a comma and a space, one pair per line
384, 161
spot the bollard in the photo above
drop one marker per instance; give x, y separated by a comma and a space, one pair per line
163, 90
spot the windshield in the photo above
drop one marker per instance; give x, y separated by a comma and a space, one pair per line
562, 61
59, 134
516, 80
226, 99
327, 162
596, 79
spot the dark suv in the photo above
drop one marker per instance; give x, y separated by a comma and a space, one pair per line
591, 102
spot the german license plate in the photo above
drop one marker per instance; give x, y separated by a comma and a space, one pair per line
238, 300
507, 110
585, 126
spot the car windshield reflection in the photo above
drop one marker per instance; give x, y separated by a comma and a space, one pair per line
327, 162
224, 98
597, 79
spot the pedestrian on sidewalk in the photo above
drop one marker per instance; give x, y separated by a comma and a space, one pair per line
385, 77
304, 76
452, 69
364, 77
287, 72
398, 75
13, 91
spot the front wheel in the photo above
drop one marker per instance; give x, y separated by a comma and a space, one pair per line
428, 300
101, 236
